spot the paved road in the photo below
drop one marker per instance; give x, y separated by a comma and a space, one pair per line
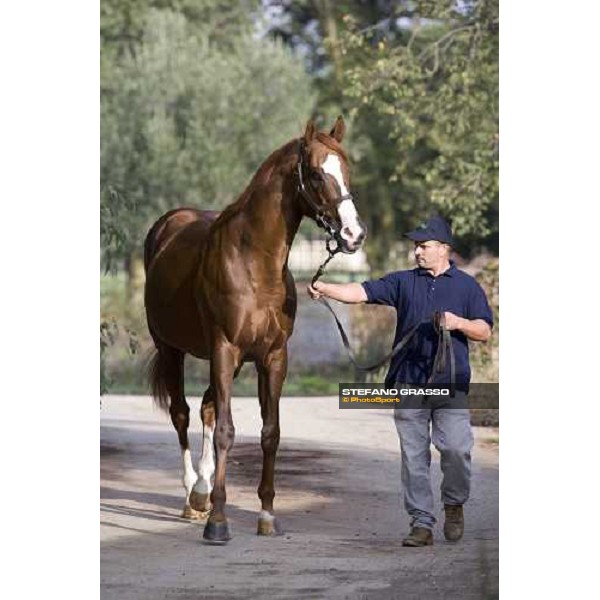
337, 484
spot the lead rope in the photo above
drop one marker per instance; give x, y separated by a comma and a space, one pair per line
444, 349
351, 355
331, 253
444, 338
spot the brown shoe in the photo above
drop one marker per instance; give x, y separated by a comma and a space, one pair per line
454, 525
418, 536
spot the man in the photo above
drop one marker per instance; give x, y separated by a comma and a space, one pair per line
435, 285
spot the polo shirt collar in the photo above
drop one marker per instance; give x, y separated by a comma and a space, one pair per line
447, 273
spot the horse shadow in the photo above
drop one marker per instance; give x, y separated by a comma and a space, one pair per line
309, 480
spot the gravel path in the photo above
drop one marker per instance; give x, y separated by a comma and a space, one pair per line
338, 501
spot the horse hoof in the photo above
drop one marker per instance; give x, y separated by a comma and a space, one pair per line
189, 512
216, 531
269, 527
200, 502
194, 515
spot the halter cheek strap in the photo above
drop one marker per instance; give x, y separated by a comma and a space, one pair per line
320, 216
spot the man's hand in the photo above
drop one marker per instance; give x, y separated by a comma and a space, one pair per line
453, 321
350, 293
477, 329
315, 291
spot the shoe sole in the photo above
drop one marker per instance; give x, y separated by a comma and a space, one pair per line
450, 538
453, 539
417, 544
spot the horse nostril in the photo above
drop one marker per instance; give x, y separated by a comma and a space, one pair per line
348, 232
360, 238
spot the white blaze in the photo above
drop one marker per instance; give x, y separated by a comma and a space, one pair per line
333, 167
351, 228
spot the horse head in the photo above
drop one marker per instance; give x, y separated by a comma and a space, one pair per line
323, 176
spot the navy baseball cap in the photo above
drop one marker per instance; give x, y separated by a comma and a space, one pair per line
435, 228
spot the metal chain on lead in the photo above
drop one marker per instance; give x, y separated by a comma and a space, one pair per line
332, 253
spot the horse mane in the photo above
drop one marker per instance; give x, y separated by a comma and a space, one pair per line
263, 175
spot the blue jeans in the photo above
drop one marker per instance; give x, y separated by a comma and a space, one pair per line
450, 431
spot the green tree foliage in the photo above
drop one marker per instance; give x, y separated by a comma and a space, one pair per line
434, 92
188, 113
192, 101
185, 113
419, 80
313, 26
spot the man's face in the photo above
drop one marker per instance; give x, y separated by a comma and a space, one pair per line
430, 254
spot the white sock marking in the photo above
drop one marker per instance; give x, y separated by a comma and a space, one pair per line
265, 515
189, 475
206, 467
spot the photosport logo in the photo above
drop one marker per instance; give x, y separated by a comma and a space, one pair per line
377, 395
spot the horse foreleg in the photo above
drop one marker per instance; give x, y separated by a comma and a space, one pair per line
200, 496
224, 362
270, 382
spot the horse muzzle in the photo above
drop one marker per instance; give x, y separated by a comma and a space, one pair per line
350, 241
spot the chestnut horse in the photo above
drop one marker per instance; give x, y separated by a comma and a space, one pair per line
218, 287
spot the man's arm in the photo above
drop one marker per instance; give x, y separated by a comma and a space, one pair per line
350, 293
477, 329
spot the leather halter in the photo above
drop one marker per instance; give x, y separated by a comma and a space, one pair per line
321, 218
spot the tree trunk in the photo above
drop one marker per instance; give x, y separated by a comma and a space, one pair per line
328, 25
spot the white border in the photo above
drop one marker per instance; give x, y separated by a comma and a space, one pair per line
548, 361
49, 241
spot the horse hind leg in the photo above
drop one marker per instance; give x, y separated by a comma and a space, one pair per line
200, 496
171, 373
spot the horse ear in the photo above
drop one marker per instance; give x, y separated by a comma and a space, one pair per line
339, 129
310, 132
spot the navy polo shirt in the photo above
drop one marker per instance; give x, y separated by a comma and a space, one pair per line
416, 295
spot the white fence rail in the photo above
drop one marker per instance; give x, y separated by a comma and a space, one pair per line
307, 255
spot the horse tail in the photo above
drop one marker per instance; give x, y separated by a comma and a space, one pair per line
157, 372
150, 243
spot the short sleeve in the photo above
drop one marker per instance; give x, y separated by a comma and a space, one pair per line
383, 291
478, 306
